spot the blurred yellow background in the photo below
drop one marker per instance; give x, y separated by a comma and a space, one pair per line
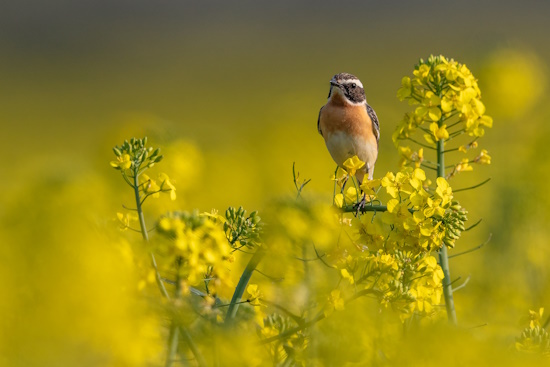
231, 92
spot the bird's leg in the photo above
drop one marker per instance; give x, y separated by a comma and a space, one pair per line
361, 204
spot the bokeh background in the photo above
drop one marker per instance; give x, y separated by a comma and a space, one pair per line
231, 92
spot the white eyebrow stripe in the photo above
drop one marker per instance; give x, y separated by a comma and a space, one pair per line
356, 81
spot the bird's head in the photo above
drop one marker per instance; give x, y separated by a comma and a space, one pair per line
348, 87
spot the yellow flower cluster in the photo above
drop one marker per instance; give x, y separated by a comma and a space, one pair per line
426, 288
389, 255
199, 245
293, 349
441, 88
133, 158
407, 282
413, 219
535, 338
447, 104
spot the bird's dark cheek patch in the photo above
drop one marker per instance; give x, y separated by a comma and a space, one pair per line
355, 94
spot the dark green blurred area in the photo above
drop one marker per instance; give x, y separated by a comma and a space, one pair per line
244, 82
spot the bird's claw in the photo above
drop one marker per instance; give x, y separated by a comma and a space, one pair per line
361, 205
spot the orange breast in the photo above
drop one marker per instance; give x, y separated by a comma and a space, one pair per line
352, 120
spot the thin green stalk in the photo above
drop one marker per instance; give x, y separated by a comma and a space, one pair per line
173, 341
138, 207
366, 208
443, 257
173, 336
187, 338
473, 187
145, 235
243, 282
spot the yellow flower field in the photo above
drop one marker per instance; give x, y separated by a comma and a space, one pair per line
228, 237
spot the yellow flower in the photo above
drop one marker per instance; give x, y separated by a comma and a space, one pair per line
340, 177
166, 185
353, 164
433, 207
122, 162
447, 104
339, 200
405, 152
535, 317
346, 275
465, 96
386, 261
150, 186
368, 186
486, 121
483, 157
255, 294
439, 133
396, 184
418, 177
406, 88
433, 113
422, 73
126, 219
335, 300
444, 191
351, 197
464, 166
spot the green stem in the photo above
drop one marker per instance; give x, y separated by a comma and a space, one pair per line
366, 208
187, 338
173, 336
243, 282
138, 207
145, 235
473, 187
443, 257
173, 341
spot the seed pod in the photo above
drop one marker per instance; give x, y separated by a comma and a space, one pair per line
448, 242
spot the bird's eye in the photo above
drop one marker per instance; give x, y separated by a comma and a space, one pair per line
353, 85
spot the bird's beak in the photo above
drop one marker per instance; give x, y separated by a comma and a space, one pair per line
335, 83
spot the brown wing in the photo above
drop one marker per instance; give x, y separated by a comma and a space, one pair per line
319, 122
375, 123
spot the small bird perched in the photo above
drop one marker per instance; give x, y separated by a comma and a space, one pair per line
349, 125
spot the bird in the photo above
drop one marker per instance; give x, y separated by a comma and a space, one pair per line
349, 124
